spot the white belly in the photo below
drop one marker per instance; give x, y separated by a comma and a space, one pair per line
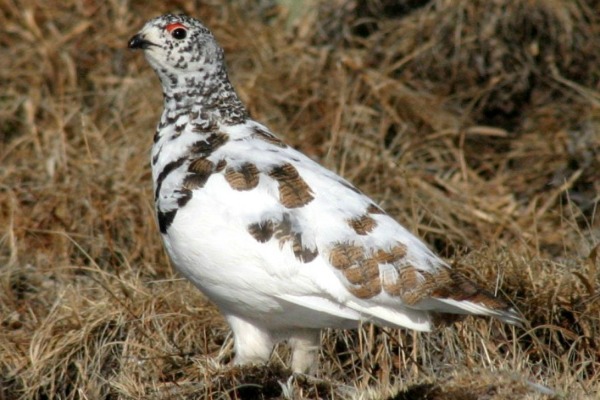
209, 244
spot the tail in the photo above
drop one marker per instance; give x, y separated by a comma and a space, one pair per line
440, 298
456, 294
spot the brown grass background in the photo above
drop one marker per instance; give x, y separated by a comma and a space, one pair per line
475, 123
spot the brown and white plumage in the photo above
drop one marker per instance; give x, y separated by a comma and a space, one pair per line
283, 246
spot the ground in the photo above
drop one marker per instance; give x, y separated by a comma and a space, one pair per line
474, 123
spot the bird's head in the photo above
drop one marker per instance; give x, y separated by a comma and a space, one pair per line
191, 67
177, 45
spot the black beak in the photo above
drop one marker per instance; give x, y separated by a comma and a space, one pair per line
138, 42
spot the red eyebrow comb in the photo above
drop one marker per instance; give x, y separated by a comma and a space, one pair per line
171, 27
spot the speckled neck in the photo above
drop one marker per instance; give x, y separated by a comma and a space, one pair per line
208, 97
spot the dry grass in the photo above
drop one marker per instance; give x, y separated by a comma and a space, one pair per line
475, 123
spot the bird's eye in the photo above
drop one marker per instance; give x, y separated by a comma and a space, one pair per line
179, 33
177, 30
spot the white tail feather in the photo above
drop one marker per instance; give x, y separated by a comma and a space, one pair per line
469, 308
400, 317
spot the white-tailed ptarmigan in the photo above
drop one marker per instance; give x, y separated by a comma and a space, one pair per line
283, 246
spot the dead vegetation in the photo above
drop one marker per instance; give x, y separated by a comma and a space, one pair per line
475, 123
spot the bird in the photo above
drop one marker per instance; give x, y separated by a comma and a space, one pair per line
281, 245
